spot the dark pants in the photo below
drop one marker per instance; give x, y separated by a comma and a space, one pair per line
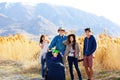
43, 67
74, 60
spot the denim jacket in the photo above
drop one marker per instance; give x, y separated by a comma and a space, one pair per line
57, 42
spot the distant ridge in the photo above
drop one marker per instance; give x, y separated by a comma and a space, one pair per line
46, 18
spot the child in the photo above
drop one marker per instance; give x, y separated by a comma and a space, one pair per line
55, 54
88, 51
44, 43
72, 51
54, 64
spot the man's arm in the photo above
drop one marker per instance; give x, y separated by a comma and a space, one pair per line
84, 48
53, 43
94, 46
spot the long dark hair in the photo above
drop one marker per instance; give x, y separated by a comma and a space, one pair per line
74, 41
41, 41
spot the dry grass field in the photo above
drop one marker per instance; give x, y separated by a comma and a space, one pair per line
20, 49
18, 55
107, 55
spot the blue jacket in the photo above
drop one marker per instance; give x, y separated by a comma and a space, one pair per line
89, 46
56, 70
58, 43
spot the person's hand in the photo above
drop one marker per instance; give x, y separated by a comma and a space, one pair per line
66, 33
47, 41
48, 50
93, 56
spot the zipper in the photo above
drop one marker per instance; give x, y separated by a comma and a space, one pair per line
87, 45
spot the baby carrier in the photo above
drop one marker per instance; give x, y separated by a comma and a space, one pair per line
54, 68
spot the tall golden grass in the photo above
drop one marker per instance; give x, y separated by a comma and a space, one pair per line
18, 48
107, 55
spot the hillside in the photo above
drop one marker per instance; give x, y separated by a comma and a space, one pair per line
46, 18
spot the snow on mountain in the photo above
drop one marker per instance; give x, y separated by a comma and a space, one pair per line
46, 18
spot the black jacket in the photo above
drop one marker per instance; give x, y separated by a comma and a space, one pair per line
90, 46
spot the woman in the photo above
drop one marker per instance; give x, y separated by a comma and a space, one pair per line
72, 51
44, 43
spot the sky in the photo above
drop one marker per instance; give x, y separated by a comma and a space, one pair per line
107, 8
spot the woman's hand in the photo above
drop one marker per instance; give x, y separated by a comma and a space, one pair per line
66, 33
48, 41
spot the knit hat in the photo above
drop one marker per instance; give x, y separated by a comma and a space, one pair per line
55, 51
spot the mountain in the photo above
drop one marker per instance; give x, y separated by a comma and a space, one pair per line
45, 18
5, 21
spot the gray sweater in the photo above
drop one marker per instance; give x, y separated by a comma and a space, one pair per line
68, 47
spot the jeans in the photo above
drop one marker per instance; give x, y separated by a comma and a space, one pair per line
43, 67
74, 60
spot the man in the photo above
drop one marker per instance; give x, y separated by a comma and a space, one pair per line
88, 51
57, 42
